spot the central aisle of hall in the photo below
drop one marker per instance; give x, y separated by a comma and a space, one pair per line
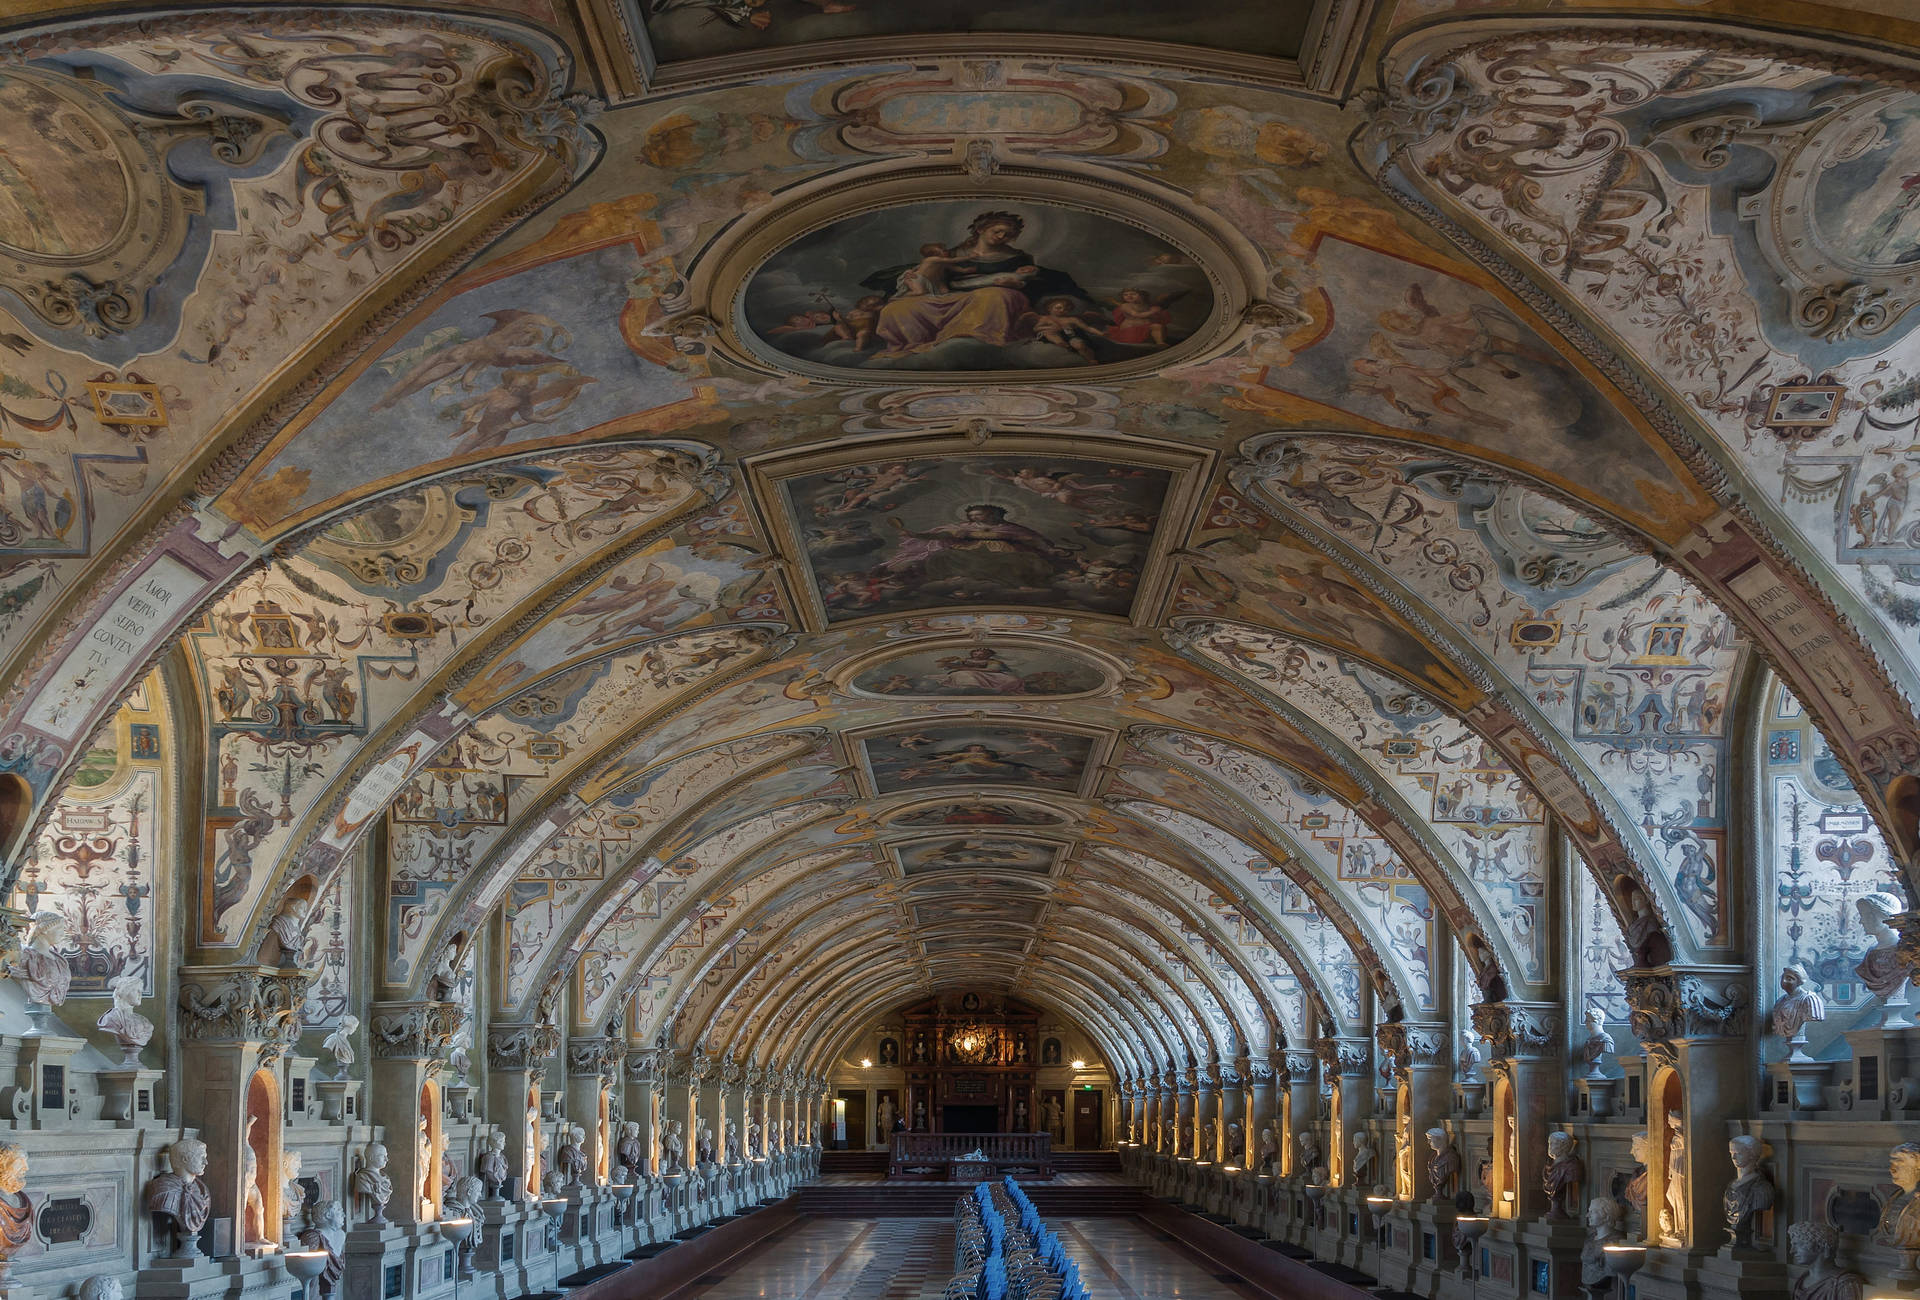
912, 1259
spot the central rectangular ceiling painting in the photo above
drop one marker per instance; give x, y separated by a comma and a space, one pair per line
977, 754
892, 537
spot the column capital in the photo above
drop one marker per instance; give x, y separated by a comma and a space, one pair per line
643, 1065
1673, 1003
1347, 1057
1413, 1044
1298, 1063
1519, 1029
414, 1031
520, 1046
258, 1005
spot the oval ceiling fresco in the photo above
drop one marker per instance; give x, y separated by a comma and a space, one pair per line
993, 668
976, 285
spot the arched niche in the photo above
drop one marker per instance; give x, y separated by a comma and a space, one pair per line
429, 1143
1667, 1217
260, 1213
1504, 1185
1403, 1184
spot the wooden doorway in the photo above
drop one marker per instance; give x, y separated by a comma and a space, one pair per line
1089, 1117
856, 1120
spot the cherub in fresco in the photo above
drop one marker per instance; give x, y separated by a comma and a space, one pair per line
45, 504
626, 607
517, 338
1418, 392
1059, 322
525, 396
1068, 489
1138, 317
867, 485
929, 274
1878, 512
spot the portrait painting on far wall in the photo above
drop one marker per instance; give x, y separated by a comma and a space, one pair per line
893, 536
971, 285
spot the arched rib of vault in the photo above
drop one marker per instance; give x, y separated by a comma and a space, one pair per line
1188, 850
313, 665
705, 865
244, 366
1409, 968
1453, 141
871, 944
1365, 721
1225, 1023
1326, 839
770, 964
1655, 715
1212, 956
425, 861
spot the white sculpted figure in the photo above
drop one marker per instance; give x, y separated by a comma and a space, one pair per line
293, 1197
1750, 1194
673, 1149
632, 1151
1469, 1055
1606, 1225
1443, 1169
1360, 1171
1673, 1216
732, 1147
1881, 970
254, 1212
123, 1019
43, 970
492, 1165
289, 927
1812, 1246
1270, 1150
340, 1043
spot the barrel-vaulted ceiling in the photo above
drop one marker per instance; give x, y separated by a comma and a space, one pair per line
773, 509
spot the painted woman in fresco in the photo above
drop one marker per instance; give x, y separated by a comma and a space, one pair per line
986, 550
990, 285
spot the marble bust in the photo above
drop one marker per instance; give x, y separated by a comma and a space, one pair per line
1812, 1246
1751, 1192
1598, 1044
180, 1196
492, 1165
1562, 1176
16, 1207
631, 1150
1443, 1169
1796, 1006
1606, 1224
1900, 1222
123, 1019
373, 1185
1881, 970
571, 1162
43, 970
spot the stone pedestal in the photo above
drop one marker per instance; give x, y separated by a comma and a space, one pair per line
1884, 1060
183, 1279
1596, 1098
130, 1097
1798, 1087
339, 1100
44, 1071
1549, 1260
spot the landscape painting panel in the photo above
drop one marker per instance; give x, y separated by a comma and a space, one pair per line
895, 536
975, 285
978, 754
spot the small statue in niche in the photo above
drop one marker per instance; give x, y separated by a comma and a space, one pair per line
1796, 1006
1050, 1052
1635, 1192
16, 1207
1236, 1143
1606, 1224
754, 1131
1209, 1139
1020, 1116
445, 979
1443, 1168
1562, 1177
254, 1211
1646, 937
329, 1233
289, 928
423, 1161
1881, 970
372, 1185
1598, 1045
1673, 1215
1020, 1051
293, 1197
1309, 1149
920, 1049
919, 1116
492, 1165
1813, 1246
673, 1149
632, 1151
123, 1020
889, 1052
703, 1144
1270, 1150
1403, 1156
340, 1044
885, 1113
1750, 1194
732, 1145
42, 969
179, 1195
1469, 1056
571, 1162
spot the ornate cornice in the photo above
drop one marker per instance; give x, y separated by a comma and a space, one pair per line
1522, 1030
243, 1004
1674, 1003
521, 1047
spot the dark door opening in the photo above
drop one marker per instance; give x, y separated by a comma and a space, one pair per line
1088, 1109
970, 1119
856, 1139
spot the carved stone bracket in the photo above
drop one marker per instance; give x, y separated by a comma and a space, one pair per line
1519, 1029
243, 1004
521, 1047
414, 1030
1298, 1063
643, 1065
594, 1056
1410, 1045
1673, 1003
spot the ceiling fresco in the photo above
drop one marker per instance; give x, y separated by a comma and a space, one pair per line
808, 504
